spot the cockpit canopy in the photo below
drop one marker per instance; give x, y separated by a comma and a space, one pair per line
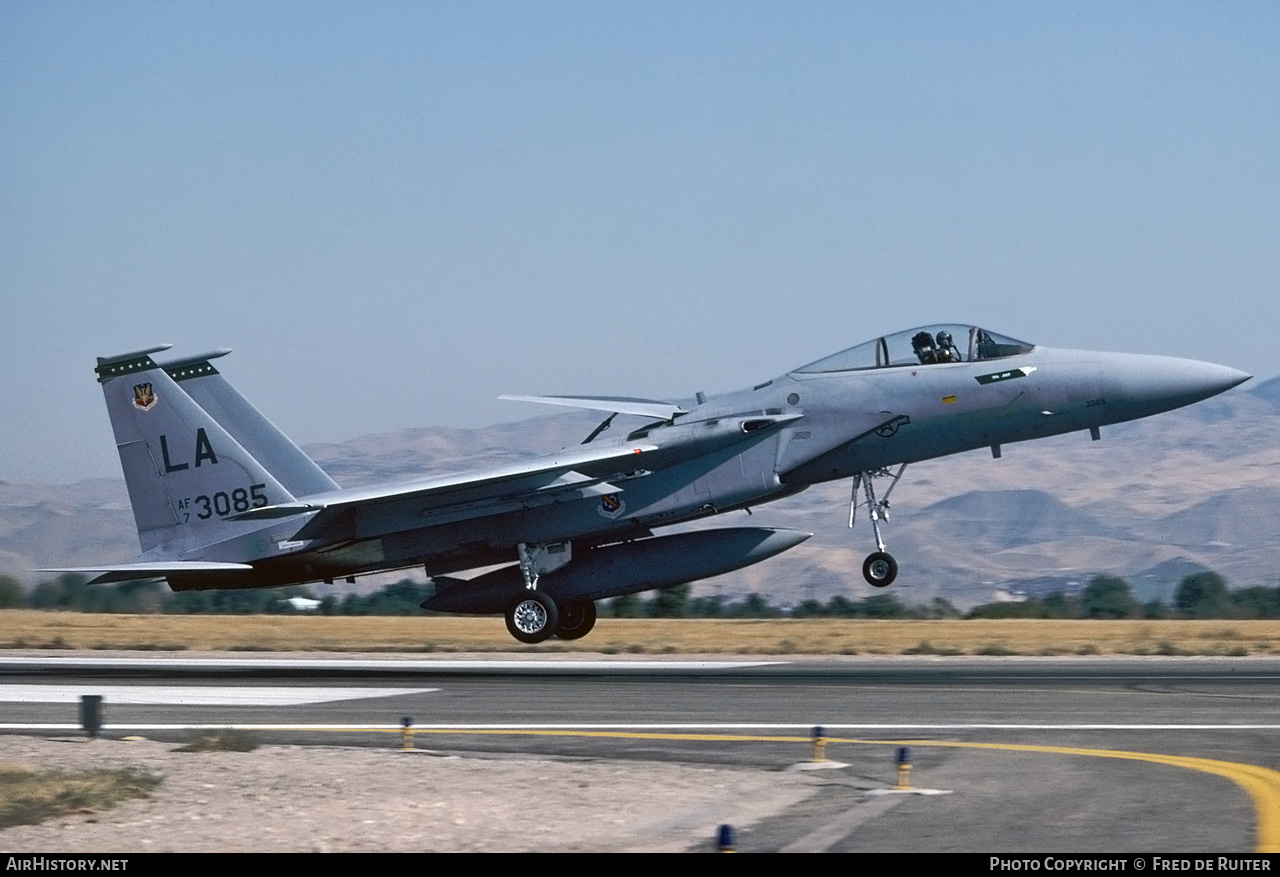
927, 345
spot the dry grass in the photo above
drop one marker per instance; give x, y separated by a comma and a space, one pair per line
29, 629
29, 797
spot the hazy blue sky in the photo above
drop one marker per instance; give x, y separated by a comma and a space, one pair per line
395, 212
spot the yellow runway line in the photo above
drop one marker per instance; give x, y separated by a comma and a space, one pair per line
1261, 783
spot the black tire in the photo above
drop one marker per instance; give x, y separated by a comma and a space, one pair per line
532, 617
880, 569
576, 619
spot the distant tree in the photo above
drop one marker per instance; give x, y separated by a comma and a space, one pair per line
140, 598
883, 606
841, 606
626, 606
1059, 605
1154, 609
12, 594
404, 597
352, 604
1052, 605
1031, 608
1108, 597
1202, 595
68, 591
940, 607
809, 609
246, 601
1255, 602
189, 603
71, 592
45, 595
671, 602
755, 606
707, 607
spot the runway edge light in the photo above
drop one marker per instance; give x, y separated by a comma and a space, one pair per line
903, 759
91, 714
819, 743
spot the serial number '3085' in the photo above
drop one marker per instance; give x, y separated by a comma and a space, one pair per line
223, 503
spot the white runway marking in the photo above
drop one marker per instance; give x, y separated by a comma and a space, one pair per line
195, 695
220, 663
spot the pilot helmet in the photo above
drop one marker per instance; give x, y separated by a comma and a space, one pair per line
944, 339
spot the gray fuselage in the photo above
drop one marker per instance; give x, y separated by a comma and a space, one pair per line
750, 447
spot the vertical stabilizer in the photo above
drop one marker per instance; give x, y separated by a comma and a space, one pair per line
246, 424
185, 473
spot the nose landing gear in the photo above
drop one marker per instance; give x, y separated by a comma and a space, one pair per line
880, 568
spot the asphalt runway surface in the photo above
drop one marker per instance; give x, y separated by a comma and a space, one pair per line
1047, 755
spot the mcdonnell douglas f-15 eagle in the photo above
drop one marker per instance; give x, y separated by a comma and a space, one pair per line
223, 499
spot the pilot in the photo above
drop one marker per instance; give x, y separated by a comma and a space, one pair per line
922, 344
947, 350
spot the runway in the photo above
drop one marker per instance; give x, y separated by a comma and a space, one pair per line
1163, 754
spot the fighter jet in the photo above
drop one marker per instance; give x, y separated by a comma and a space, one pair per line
223, 499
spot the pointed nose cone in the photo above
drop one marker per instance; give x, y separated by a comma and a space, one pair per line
1143, 385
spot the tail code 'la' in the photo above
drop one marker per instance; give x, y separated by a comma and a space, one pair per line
278, 454
186, 475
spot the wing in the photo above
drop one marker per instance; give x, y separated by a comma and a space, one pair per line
365, 512
618, 404
129, 572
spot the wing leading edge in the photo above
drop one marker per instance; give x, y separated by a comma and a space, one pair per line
129, 572
616, 404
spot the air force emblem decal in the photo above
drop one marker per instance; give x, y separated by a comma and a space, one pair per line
611, 505
143, 397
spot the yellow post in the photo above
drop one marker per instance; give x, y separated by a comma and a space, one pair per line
903, 759
406, 734
819, 743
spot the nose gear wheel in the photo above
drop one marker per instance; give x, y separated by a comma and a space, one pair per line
880, 568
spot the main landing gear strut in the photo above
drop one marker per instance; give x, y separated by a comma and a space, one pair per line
533, 616
880, 568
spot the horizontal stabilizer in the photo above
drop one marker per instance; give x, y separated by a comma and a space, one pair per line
128, 572
618, 404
